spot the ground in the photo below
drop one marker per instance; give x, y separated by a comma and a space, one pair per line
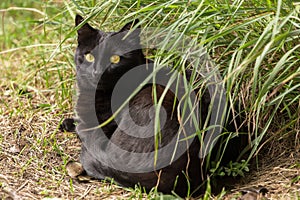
34, 153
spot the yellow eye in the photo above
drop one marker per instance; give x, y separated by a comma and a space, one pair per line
115, 59
89, 57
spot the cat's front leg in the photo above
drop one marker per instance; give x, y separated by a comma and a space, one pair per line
68, 125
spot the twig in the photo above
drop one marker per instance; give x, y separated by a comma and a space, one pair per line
3, 177
86, 192
22, 186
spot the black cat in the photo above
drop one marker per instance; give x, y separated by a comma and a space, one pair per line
107, 151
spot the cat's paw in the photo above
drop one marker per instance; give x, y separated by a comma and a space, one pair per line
75, 171
68, 125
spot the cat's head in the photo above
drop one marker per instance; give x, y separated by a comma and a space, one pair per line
100, 51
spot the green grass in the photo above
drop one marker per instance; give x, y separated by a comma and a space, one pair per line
253, 44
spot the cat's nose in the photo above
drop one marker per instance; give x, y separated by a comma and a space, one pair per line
97, 72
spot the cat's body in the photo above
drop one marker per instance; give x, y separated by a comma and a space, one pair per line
100, 156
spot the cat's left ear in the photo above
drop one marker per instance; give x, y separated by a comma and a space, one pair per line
86, 34
130, 25
86, 28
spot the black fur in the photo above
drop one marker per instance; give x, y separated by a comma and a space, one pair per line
68, 125
187, 168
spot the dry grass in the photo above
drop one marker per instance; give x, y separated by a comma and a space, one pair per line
278, 171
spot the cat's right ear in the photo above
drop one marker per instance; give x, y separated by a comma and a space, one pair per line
78, 20
86, 31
